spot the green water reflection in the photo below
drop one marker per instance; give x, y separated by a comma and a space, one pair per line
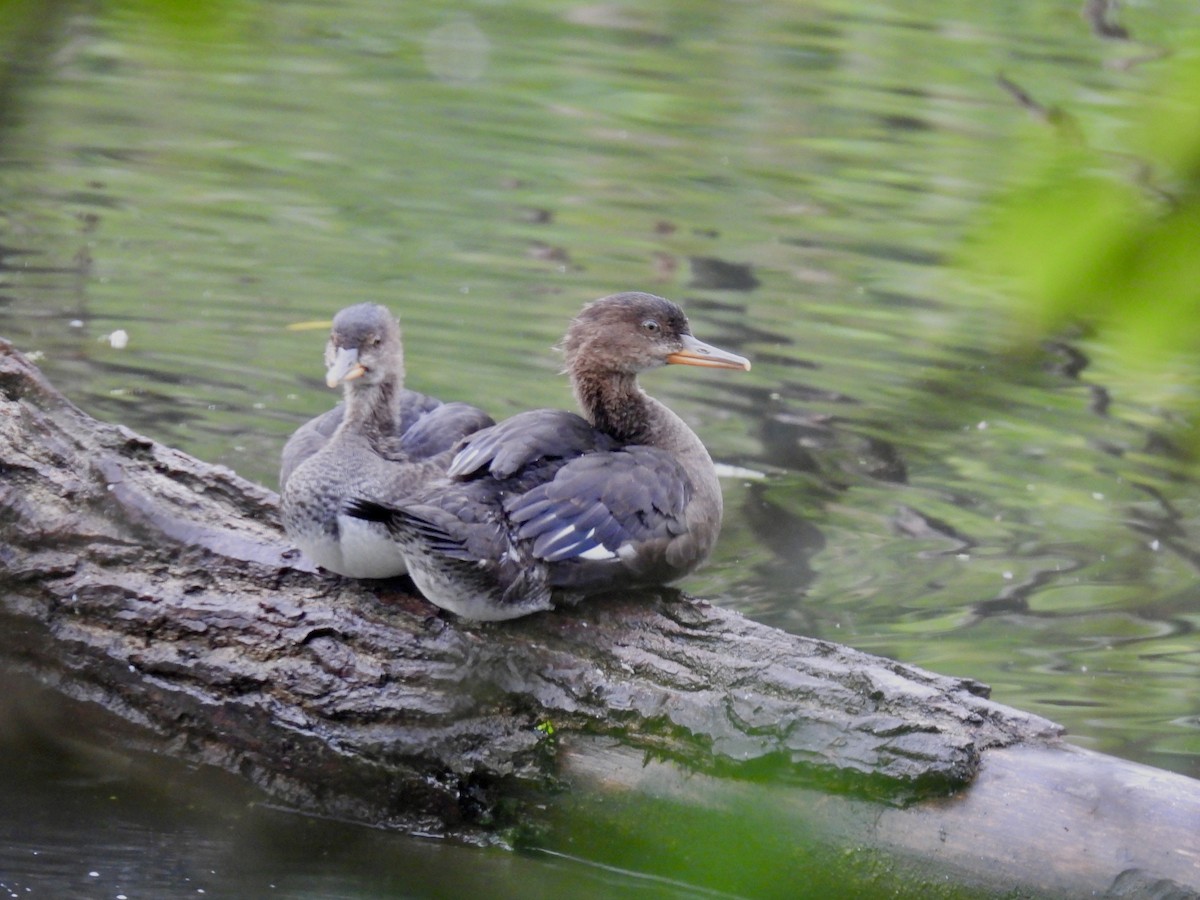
930, 492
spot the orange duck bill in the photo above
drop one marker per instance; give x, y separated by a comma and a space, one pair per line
698, 353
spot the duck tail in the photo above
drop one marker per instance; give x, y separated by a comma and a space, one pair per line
415, 528
371, 511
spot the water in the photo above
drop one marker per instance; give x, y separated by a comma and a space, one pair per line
78, 825
935, 489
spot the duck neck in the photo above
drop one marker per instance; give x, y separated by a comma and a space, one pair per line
373, 409
616, 405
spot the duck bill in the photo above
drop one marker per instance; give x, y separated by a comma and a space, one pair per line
698, 353
345, 367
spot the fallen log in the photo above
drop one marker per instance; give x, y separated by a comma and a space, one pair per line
159, 589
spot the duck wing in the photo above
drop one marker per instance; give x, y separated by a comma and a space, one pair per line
604, 506
414, 406
441, 428
307, 440
525, 439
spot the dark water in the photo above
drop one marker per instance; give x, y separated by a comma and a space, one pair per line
78, 824
907, 472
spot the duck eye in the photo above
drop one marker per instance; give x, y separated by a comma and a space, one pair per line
651, 326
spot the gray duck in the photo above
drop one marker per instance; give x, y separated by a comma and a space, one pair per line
383, 441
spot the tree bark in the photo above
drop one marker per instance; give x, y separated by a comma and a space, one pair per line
162, 590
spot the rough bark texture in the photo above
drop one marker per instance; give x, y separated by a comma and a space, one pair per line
163, 589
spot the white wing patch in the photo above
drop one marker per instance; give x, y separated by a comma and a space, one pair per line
573, 539
597, 552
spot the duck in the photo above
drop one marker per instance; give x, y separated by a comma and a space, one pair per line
382, 440
550, 506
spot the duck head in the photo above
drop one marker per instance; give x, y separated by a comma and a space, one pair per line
634, 332
364, 347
